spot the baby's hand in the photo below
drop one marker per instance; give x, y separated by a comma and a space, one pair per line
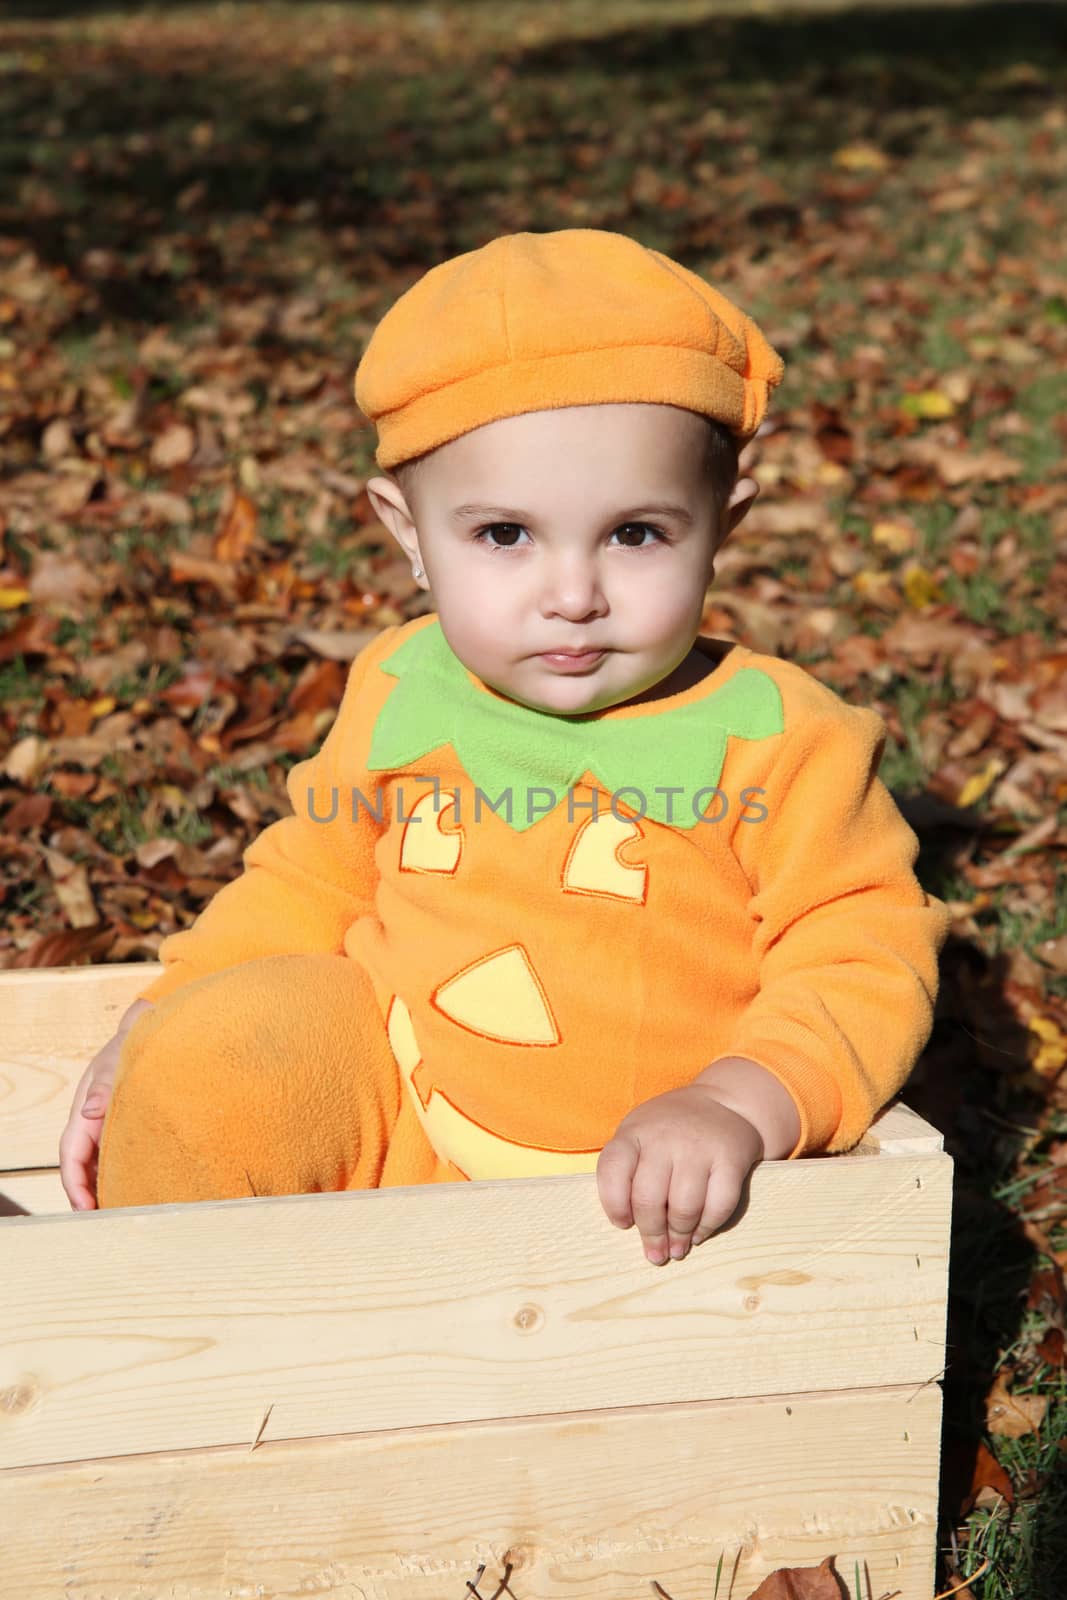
676, 1167
79, 1144
678, 1162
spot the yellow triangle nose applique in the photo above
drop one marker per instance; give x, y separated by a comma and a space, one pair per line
501, 997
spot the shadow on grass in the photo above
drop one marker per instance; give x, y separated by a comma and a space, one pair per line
970, 1084
400, 162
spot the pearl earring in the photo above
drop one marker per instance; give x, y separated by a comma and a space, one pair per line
416, 571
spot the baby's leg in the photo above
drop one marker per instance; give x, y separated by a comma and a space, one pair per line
272, 1077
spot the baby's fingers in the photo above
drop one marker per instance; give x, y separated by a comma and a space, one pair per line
614, 1174
724, 1191
78, 1153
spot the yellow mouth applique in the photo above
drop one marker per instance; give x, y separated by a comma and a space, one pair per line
477, 1152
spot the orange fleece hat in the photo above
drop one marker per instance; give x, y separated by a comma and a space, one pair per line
533, 321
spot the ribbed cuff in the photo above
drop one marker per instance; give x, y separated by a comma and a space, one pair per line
816, 1092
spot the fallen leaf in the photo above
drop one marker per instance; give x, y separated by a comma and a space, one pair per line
860, 157
921, 587
988, 1475
895, 536
927, 403
238, 531
1051, 1348
1053, 952
174, 447
802, 1583
338, 646
26, 759
186, 568
63, 579
1010, 1416
976, 786
1051, 1055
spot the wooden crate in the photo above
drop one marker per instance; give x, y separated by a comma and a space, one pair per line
419, 1394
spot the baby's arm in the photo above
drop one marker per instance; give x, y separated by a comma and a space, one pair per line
847, 939
307, 877
847, 943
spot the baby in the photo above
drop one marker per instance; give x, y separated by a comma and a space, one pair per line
569, 887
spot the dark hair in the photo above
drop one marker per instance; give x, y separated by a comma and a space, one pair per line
720, 463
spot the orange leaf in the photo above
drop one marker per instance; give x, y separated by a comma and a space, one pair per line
1051, 1348
238, 531
988, 1474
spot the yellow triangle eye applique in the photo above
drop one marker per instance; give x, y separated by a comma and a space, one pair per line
500, 997
593, 865
424, 847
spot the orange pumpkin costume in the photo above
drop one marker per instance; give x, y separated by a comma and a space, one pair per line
489, 997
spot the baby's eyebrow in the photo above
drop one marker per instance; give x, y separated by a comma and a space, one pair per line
474, 509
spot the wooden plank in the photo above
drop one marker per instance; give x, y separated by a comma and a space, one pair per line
54, 1019
595, 1505
175, 1327
897, 1130
32, 1194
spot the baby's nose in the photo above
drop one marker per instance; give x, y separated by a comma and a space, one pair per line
572, 589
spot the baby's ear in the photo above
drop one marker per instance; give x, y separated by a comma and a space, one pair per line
743, 497
393, 512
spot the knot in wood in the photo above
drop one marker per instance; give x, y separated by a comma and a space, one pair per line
21, 1396
529, 1318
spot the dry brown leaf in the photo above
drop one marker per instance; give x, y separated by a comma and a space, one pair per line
62, 579
64, 947
955, 466
57, 440
763, 626
170, 508
237, 533
70, 494
988, 1474
1053, 952
174, 447
1010, 1416
801, 1583
27, 759
793, 516
343, 645
1051, 1348
187, 568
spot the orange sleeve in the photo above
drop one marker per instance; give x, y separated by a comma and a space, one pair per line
304, 881
846, 938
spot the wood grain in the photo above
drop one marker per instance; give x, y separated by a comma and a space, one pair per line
592, 1507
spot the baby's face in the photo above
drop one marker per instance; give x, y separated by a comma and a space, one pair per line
575, 549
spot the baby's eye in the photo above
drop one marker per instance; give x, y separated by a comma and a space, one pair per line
509, 544
481, 535
646, 527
